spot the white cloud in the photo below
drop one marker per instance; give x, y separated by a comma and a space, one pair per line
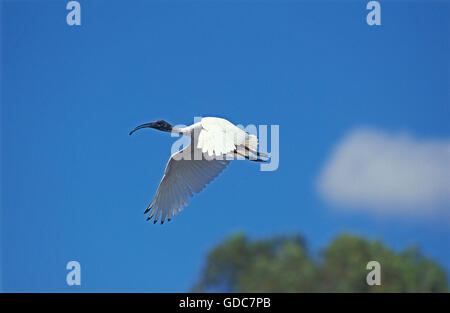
388, 174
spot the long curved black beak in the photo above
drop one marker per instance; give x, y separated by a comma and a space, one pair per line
146, 125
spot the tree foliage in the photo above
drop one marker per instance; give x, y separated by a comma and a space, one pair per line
283, 264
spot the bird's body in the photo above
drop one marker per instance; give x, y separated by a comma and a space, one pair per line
214, 142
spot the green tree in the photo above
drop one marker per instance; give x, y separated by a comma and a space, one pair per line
283, 264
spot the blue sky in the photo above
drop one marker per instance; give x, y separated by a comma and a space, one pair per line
74, 185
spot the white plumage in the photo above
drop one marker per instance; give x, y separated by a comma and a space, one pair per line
214, 141
218, 136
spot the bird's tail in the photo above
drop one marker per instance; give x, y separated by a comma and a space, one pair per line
251, 145
244, 152
251, 142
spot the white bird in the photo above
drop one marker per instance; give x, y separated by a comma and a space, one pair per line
214, 142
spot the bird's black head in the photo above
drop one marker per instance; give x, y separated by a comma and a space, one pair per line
159, 125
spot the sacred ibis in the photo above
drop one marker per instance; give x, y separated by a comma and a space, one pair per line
214, 142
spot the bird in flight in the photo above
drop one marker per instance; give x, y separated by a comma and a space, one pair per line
214, 142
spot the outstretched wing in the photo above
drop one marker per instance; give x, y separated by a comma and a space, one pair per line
182, 179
